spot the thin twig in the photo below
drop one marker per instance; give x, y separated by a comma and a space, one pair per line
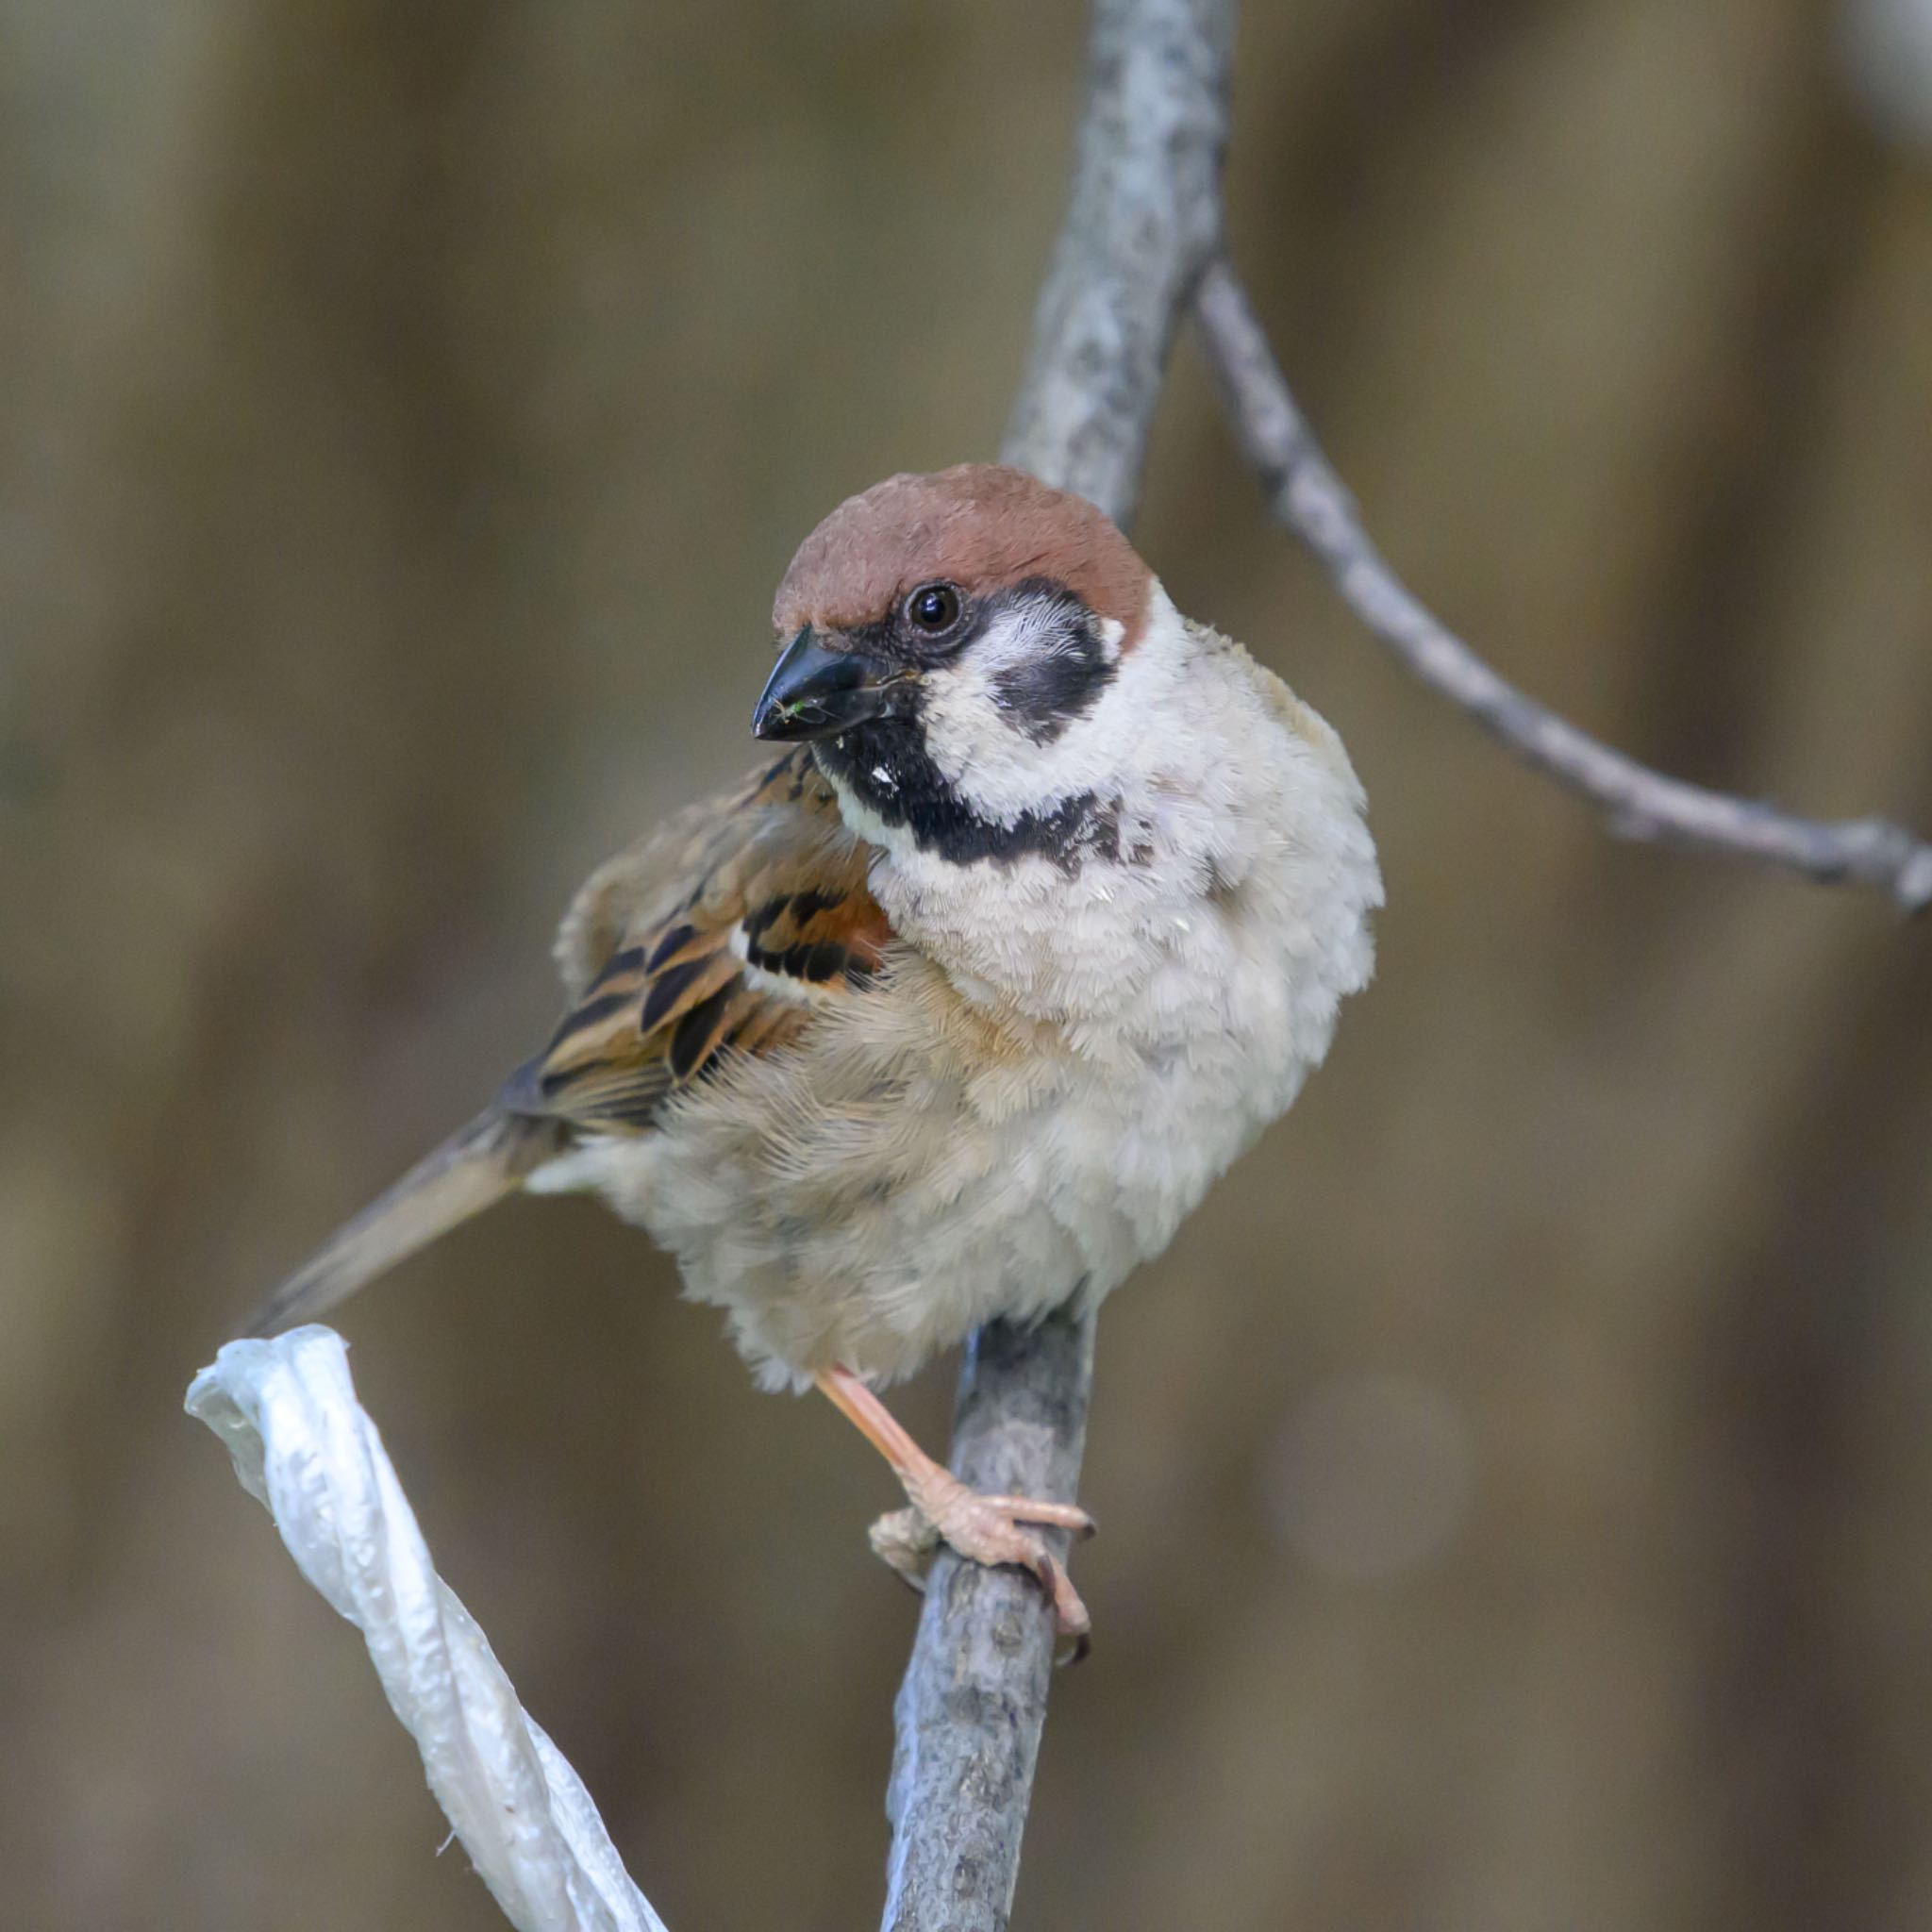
1144, 220
1312, 502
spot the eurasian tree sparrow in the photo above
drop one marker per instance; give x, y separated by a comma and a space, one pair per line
957, 1009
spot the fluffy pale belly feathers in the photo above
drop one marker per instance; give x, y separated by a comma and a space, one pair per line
873, 1229
869, 1199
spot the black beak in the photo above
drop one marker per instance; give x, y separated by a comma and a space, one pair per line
815, 693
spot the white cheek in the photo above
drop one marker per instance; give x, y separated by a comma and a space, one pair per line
963, 717
991, 760
985, 751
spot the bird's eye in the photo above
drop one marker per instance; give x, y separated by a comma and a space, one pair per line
933, 609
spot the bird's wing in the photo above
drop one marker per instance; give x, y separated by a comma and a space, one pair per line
728, 935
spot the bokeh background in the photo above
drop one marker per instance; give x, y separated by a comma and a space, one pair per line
1516, 1481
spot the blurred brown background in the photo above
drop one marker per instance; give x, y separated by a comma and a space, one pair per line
1517, 1480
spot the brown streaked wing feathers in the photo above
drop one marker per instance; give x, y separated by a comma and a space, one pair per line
659, 999
772, 869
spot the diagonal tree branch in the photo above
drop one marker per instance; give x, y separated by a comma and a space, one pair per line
1144, 220
1312, 502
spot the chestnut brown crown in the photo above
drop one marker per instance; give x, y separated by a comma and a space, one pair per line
981, 527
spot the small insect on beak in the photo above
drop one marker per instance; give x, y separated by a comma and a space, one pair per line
814, 692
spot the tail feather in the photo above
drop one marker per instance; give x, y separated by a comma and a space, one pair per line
474, 1167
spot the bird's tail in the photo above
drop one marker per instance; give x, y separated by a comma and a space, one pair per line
475, 1167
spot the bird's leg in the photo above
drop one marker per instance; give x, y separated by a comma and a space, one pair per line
988, 1529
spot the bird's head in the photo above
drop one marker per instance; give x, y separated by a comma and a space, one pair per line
949, 645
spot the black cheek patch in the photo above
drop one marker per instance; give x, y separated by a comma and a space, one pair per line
1066, 673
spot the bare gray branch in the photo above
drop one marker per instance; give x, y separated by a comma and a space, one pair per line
1312, 502
972, 1705
1143, 222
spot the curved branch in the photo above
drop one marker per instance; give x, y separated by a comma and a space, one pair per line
1313, 502
1144, 220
